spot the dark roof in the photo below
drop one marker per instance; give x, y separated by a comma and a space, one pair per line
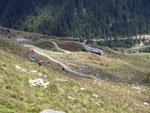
94, 50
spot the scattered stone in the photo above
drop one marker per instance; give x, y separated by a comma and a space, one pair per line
97, 104
38, 82
71, 98
57, 79
39, 74
102, 109
45, 76
34, 71
117, 77
85, 65
82, 89
95, 95
51, 111
97, 75
76, 90
139, 89
145, 103
21, 69
62, 56
62, 80
21, 39
95, 80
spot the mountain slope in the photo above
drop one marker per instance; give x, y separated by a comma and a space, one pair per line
65, 92
79, 18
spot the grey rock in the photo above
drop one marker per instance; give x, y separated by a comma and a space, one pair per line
51, 111
118, 77
97, 75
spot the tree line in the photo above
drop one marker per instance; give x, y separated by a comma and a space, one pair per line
78, 18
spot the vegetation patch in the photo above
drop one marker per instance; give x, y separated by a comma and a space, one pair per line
46, 45
70, 46
145, 56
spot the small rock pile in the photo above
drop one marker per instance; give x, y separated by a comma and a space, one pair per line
139, 89
38, 82
50, 111
39, 74
21, 69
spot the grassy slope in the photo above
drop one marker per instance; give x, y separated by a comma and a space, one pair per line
145, 56
18, 97
108, 66
46, 45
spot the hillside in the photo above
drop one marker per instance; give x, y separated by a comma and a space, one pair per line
123, 85
77, 18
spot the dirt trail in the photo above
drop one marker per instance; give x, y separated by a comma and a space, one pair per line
42, 52
57, 47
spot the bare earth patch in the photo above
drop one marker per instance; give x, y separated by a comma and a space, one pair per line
70, 46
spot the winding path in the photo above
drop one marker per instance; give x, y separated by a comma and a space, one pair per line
42, 52
57, 47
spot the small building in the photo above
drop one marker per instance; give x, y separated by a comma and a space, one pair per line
97, 51
94, 50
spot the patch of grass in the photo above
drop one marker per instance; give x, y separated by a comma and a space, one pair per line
5, 109
145, 56
7, 46
46, 45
